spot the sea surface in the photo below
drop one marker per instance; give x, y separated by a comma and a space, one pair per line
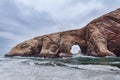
77, 67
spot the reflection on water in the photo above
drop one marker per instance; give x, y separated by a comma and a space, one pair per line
75, 68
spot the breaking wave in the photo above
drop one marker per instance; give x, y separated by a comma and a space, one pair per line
78, 67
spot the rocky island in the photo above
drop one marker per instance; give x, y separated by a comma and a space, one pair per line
101, 37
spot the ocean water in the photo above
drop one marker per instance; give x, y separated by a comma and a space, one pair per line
75, 68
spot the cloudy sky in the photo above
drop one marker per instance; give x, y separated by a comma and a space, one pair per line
23, 19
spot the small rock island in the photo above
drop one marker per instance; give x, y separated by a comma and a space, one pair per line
101, 37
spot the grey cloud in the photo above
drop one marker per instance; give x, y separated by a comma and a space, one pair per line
13, 20
22, 27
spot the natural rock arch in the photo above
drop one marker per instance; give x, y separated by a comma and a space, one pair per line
101, 37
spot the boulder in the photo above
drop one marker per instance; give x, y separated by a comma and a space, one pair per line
101, 37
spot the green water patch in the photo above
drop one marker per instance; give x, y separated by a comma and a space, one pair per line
113, 61
84, 60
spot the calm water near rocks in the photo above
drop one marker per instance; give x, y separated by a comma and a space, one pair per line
75, 68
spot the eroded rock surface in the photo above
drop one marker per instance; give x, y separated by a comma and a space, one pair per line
101, 37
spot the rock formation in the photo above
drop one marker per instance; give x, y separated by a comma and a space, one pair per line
101, 37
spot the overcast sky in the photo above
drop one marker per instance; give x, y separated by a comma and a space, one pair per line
23, 19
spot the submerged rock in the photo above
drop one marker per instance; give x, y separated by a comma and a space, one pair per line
101, 37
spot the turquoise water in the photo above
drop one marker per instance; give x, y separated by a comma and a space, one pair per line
74, 68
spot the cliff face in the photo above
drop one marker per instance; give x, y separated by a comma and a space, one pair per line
101, 37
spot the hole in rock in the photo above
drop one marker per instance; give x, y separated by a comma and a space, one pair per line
75, 49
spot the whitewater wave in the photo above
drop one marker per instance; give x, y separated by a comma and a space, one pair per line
75, 68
